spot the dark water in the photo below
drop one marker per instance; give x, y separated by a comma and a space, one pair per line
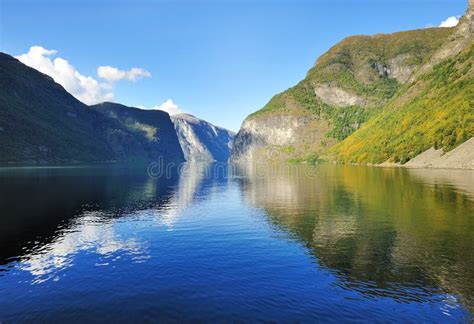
346, 244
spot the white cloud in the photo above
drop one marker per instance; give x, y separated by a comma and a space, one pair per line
170, 107
113, 74
452, 21
85, 88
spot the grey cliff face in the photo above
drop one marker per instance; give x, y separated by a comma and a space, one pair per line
262, 139
202, 141
255, 134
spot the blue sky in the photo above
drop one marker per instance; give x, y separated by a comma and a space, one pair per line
219, 60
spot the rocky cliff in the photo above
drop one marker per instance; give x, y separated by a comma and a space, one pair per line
276, 136
202, 141
41, 123
353, 84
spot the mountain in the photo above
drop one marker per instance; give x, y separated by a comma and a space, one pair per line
201, 140
354, 88
433, 114
154, 128
41, 123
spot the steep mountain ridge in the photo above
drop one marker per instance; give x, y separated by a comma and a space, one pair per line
201, 140
354, 82
41, 123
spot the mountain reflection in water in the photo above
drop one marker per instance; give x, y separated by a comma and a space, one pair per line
406, 234
293, 243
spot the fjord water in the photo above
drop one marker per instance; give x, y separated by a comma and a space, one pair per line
333, 243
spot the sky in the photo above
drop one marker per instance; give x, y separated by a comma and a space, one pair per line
218, 60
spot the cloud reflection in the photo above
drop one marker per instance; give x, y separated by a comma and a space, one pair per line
91, 233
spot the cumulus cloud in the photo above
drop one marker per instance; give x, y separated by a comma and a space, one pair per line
452, 21
113, 74
85, 88
170, 107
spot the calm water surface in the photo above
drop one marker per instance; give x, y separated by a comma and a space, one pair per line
345, 244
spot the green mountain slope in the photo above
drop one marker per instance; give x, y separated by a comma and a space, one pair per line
370, 68
347, 85
435, 111
374, 99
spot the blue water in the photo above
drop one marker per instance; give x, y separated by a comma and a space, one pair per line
347, 244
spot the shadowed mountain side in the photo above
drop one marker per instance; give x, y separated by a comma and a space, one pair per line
154, 127
41, 123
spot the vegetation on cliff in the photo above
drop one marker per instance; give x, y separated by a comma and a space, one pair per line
435, 111
368, 65
362, 65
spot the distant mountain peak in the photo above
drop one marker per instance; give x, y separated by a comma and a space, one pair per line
188, 117
201, 140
